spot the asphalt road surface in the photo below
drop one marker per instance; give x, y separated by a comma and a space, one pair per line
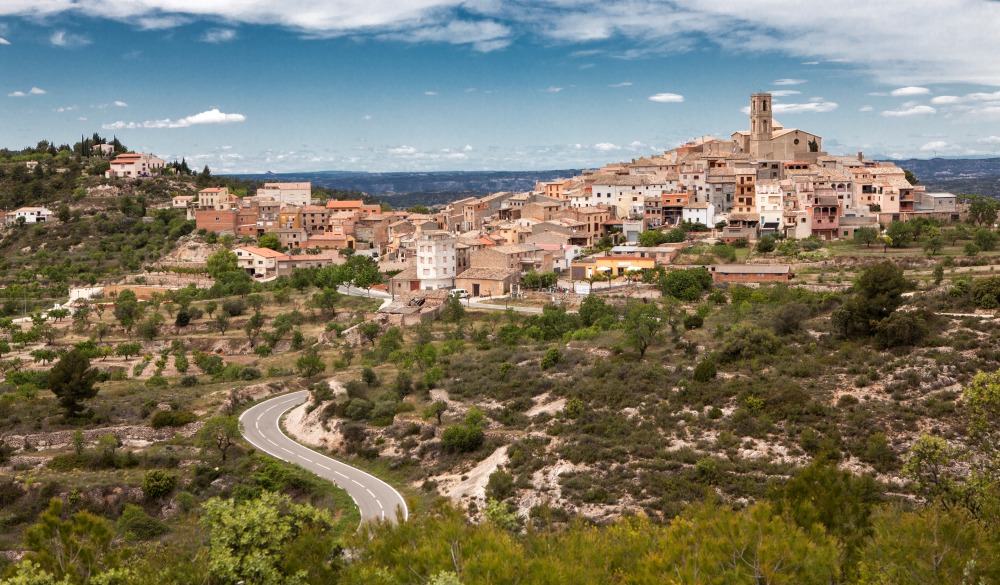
376, 499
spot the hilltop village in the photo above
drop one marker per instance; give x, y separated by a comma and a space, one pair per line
765, 181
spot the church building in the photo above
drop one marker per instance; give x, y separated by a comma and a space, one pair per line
768, 139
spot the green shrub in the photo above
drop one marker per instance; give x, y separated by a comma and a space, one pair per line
693, 321
157, 382
171, 418
500, 485
685, 284
158, 483
552, 357
709, 470
186, 501
136, 524
462, 438
985, 292
705, 370
235, 307
369, 377
358, 409
746, 341
383, 413
209, 363
901, 329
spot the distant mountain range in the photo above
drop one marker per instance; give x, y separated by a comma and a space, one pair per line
980, 176
401, 190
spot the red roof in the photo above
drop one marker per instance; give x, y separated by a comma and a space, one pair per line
344, 204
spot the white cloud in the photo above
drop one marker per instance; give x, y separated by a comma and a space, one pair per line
967, 98
30, 92
213, 116
909, 110
909, 91
810, 62
483, 35
787, 81
990, 140
865, 109
161, 22
4, 41
813, 107
552, 89
66, 109
468, 148
666, 98
61, 38
219, 35
430, 93
945, 100
366, 117
784, 93
958, 40
404, 150
935, 145
622, 84
606, 146
121, 104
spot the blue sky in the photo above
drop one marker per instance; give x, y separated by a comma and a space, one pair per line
413, 85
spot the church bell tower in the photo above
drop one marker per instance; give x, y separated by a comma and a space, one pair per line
760, 124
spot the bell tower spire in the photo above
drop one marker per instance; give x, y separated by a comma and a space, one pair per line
761, 124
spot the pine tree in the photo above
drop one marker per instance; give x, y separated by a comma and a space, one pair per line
72, 380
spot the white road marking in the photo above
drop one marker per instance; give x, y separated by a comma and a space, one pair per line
269, 420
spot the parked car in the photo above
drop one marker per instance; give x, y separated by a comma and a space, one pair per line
460, 293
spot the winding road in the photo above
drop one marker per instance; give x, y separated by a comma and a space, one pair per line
376, 499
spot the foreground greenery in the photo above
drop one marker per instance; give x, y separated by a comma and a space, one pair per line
825, 526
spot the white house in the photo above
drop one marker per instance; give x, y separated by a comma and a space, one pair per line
289, 193
134, 166
30, 215
626, 193
436, 263
699, 212
770, 203
259, 262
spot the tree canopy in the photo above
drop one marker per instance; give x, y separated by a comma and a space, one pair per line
72, 380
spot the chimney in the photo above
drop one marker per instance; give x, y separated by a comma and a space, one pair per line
860, 156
